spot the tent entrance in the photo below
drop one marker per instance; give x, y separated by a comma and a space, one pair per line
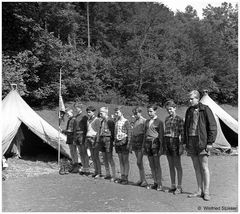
229, 134
32, 147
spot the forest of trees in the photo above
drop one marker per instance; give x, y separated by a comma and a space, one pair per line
140, 52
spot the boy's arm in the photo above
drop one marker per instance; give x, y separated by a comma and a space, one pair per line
211, 127
144, 137
185, 128
112, 127
128, 128
160, 136
181, 130
75, 130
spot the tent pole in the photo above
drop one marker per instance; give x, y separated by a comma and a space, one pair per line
59, 116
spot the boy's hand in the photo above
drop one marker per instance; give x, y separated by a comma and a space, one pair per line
129, 147
161, 152
209, 147
181, 149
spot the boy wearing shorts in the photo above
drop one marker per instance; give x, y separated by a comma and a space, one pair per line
200, 131
79, 135
173, 145
137, 143
105, 142
70, 141
152, 146
93, 125
122, 143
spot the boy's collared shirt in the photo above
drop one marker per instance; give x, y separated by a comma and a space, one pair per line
154, 128
152, 120
174, 126
194, 121
138, 126
93, 125
122, 128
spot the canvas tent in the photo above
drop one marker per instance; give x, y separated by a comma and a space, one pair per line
15, 111
227, 126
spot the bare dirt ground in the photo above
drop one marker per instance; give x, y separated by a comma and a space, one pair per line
36, 186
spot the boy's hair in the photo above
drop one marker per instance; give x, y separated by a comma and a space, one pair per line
104, 109
78, 105
68, 110
170, 103
153, 106
90, 108
118, 108
137, 109
195, 93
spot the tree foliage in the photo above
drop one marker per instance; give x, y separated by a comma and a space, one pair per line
140, 51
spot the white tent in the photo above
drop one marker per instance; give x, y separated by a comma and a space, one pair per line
16, 111
227, 126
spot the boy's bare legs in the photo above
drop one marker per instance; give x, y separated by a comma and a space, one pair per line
106, 163
152, 167
196, 165
97, 160
158, 170
178, 166
126, 165
172, 171
203, 159
120, 156
139, 156
73, 152
112, 163
84, 157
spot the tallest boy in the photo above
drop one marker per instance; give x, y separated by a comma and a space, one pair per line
200, 131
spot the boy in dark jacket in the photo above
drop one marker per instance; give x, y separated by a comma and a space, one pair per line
70, 141
200, 131
105, 142
79, 135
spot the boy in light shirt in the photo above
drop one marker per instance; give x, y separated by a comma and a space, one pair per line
93, 125
122, 143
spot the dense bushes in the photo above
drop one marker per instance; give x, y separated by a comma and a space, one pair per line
140, 52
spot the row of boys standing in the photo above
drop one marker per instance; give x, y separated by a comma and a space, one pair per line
145, 137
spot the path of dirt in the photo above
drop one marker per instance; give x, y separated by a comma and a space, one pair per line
75, 193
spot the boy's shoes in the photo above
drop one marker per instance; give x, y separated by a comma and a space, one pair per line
172, 190
152, 186
138, 183
206, 197
118, 181
81, 173
86, 173
124, 182
144, 184
107, 177
196, 194
98, 176
94, 175
178, 191
75, 169
113, 179
159, 188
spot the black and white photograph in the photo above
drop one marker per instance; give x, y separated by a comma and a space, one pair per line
119, 106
